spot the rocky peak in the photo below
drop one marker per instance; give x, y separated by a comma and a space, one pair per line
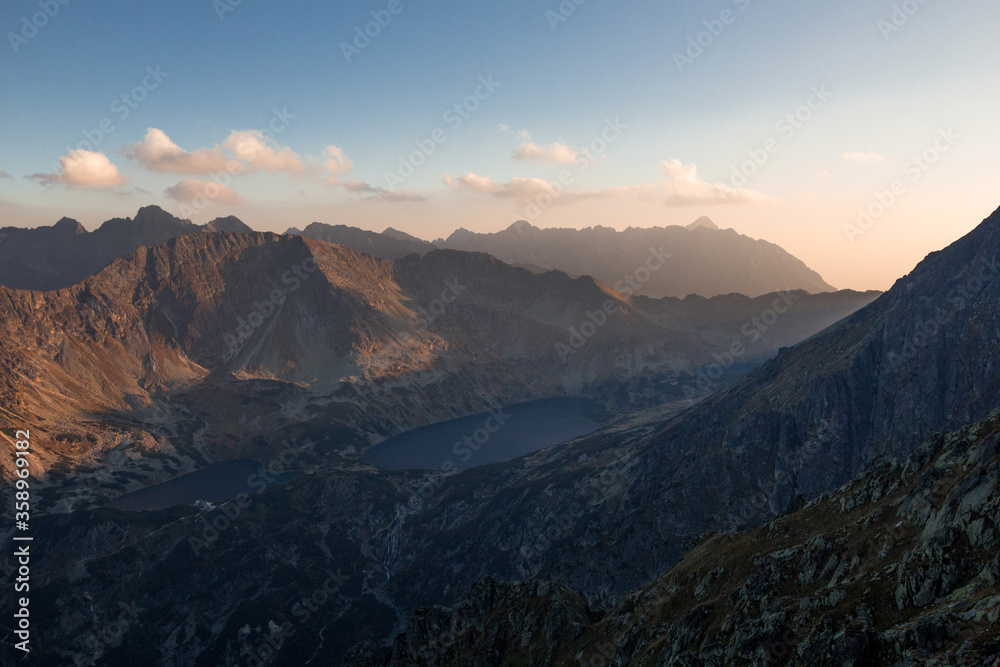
228, 224
154, 217
68, 226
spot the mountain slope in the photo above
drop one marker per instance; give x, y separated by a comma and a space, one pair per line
703, 259
395, 344
877, 384
900, 563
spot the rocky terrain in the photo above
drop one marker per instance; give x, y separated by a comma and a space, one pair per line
330, 566
703, 259
900, 566
214, 346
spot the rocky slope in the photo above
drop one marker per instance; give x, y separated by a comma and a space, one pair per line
897, 567
703, 260
604, 515
919, 360
210, 342
53, 257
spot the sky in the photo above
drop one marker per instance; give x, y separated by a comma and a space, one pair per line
858, 135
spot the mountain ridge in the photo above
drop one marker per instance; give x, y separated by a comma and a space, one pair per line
704, 260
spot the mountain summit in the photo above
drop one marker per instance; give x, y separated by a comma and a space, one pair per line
704, 222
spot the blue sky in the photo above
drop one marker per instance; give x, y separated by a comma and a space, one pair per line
682, 133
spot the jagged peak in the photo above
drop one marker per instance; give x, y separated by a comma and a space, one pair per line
68, 226
155, 213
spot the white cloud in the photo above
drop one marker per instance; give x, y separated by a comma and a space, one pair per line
158, 153
190, 190
85, 169
515, 188
376, 194
259, 151
556, 152
337, 162
683, 186
532, 188
861, 156
251, 150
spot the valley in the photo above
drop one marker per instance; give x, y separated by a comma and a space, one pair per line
681, 426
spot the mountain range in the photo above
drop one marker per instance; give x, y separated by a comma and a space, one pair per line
347, 338
62, 255
790, 479
666, 261
703, 259
698, 259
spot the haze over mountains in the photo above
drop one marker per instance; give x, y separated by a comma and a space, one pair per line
672, 261
703, 259
738, 263
860, 457
349, 338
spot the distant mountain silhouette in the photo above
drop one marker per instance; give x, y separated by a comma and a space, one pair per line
391, 244
704, 259
62, 255
662, 261
703, 222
